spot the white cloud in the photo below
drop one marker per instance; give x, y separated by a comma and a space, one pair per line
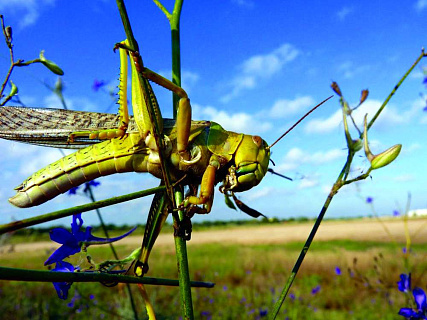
260, 67
27, 10
244, 3
284, 107
308, 183
296, 157
388, 117
257, 193
421, 5
349, 70
237, 122
344, 12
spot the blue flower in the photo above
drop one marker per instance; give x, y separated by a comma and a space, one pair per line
73, 191
89, 184
420, 301
337, 271
72, 241
404, 284
63, 287
263, 312
369, 200
97, 84
315, 290
396, 213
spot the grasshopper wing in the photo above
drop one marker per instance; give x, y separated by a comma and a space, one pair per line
53, 127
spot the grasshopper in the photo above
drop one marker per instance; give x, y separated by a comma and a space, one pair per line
198, 153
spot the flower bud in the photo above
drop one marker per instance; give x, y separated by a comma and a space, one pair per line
13, 89
58, 85
8, 31
52, 66
382, 159
386, 157
336, 88
364, 95
356, 145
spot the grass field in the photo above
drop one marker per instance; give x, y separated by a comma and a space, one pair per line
350, 272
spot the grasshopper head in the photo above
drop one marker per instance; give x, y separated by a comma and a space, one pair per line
251, 163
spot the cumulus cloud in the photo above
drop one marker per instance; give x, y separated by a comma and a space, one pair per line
260, 67
296, 157
348, 69
421, 5
27, 10
237, 122
390, 116
344, 12
284, 107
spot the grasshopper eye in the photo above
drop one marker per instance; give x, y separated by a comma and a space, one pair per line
257, 140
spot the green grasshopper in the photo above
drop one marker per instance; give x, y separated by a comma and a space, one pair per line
198, 153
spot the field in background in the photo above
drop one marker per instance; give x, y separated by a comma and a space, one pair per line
349, 273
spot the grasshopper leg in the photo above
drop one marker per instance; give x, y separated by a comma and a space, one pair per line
206, 194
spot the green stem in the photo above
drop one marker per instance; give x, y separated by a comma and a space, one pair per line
113, 250
183, 269
301, 257
16, 274
423, 54
180, 243
16, 225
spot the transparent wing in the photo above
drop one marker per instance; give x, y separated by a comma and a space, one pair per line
52, 127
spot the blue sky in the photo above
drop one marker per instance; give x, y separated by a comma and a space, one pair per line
254, 67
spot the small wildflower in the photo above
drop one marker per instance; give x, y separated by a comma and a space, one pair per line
89, 184
263, 312
404, 284
72, 241
225, 288
63, 287
315, 290
337, 271
72, 191
369, 200
98, 84
420, 301
396, 213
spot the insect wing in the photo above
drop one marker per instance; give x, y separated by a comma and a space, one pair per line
53, 127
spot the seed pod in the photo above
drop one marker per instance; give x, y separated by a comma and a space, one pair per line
336, 88
364, 95
52, 66
386, 157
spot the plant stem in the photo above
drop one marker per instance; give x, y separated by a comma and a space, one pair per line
16, 274
16, 225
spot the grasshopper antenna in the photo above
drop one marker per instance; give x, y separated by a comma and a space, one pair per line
296, 123
278, 174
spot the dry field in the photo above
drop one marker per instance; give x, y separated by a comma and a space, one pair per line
359, 230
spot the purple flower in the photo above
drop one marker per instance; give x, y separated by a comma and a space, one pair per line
396, 213
63, 287
315, 290
97, 84
89, 184
263, 312
420, 301
337, 271
72, 191
404, 284
369, 200
72, 241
